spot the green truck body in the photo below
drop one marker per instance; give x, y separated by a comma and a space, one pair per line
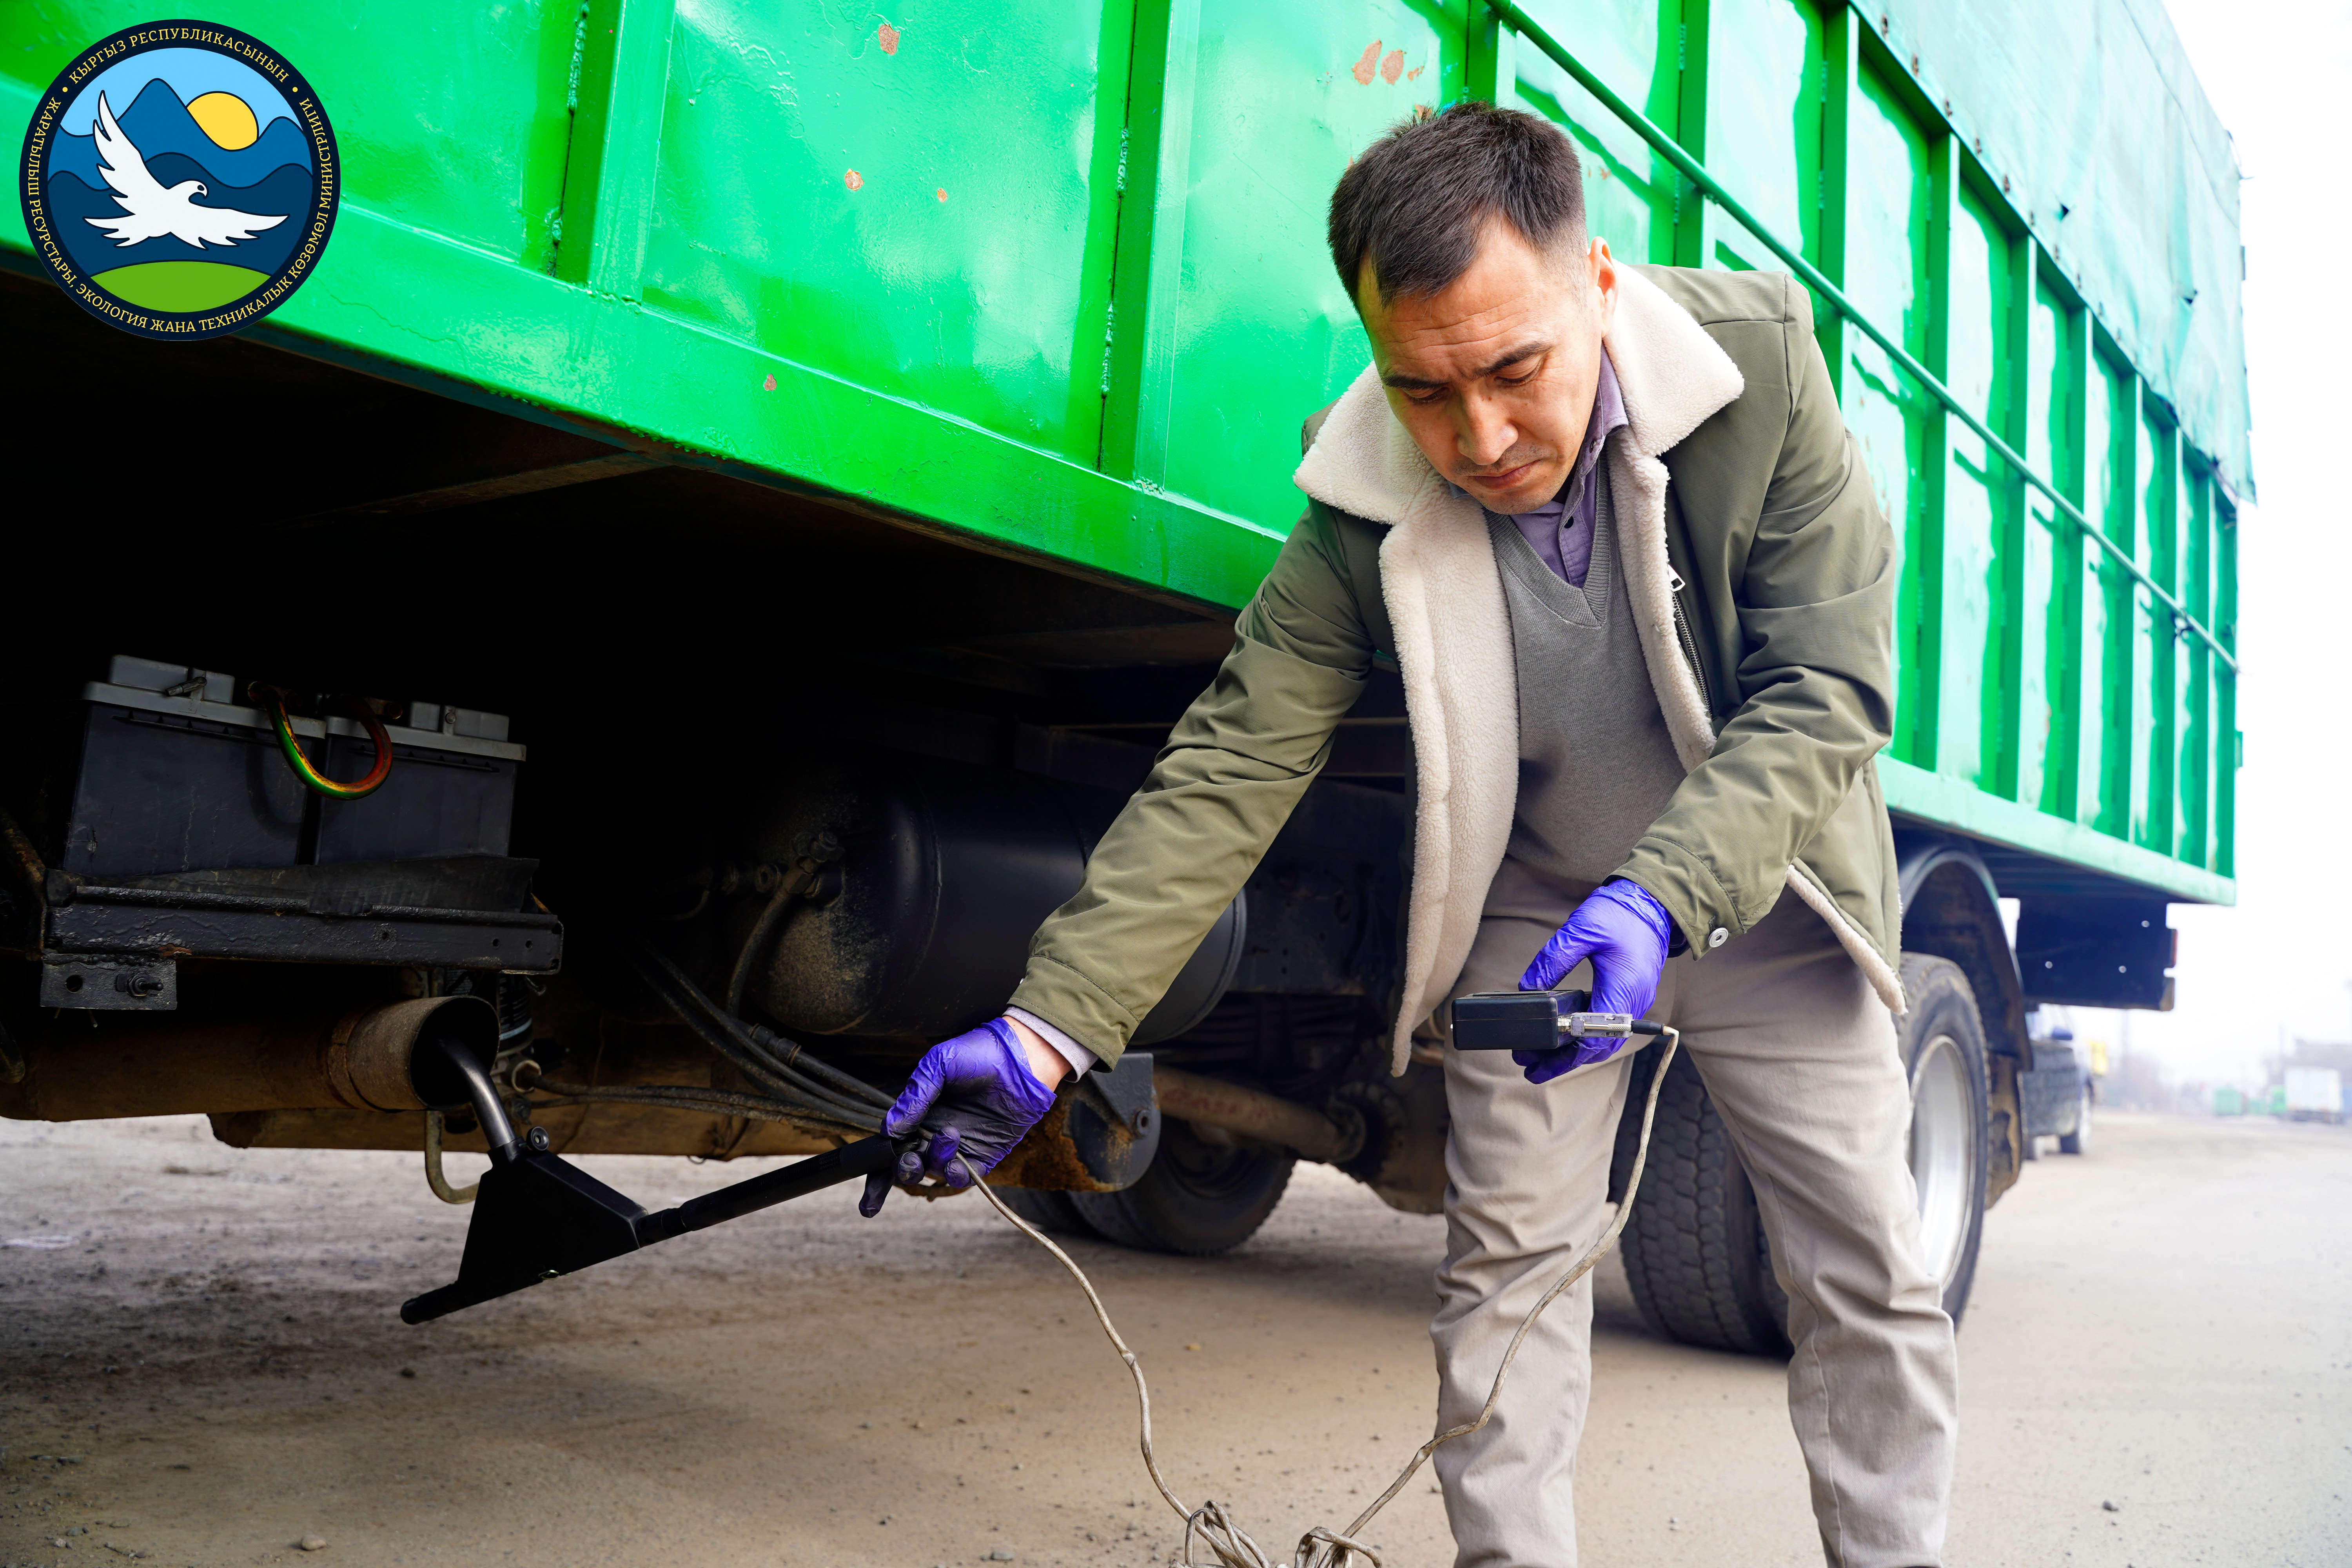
1052, 276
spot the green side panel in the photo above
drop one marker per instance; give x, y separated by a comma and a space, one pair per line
2049, 565
2197, 739
418, 277
1933, 797
823, 194
455, 116
1891, 207
1983, 505
2107, 602
1253, 332
2090, 116
2229, 745
1631, 194
2154, 810
1767, 83
468, 121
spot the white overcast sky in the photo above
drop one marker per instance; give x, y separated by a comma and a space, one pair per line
2280, 964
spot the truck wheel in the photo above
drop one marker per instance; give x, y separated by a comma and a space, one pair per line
1051, 1213
2078, 1141
1696, 1254
1695, 1249
1942, 1040
1195, 1198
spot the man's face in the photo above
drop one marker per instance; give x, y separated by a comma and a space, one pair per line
1494, 374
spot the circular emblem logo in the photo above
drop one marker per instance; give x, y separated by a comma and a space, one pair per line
179, 180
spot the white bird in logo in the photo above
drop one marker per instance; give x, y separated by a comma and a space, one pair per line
152, 211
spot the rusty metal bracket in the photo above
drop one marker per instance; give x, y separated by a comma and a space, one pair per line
24, 890
1099, 1137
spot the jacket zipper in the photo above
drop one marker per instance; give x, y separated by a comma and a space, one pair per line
1690, 647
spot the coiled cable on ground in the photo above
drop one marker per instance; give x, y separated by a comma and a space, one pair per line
1212, 1524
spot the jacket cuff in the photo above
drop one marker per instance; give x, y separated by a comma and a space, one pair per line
1055, 994
1069, 1050
1703, 912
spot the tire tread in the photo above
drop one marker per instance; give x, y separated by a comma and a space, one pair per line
1695, 1249
1691, 1246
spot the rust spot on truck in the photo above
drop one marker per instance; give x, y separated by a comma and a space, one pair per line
1047, 1161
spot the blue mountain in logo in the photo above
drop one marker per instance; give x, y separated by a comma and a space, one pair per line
286, 190
158, 123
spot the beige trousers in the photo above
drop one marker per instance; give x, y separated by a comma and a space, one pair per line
1800, 1058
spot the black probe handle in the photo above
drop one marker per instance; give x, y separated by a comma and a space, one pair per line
831, 1168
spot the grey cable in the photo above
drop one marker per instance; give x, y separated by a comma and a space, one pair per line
763, 928
1321, 1547
853, 1102
810, 1075
433, 1176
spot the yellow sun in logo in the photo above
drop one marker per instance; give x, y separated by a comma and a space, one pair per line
226, 119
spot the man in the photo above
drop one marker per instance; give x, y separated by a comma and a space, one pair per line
1609, 524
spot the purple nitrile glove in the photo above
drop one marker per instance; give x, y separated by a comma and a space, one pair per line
1625, 932
979, 1095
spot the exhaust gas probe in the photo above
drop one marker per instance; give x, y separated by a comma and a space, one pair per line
537, 1215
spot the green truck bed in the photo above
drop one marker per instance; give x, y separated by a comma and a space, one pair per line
1050, 278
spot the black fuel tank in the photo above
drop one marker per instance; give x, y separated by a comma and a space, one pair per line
923, 926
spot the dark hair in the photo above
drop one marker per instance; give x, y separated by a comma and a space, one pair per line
1415, 201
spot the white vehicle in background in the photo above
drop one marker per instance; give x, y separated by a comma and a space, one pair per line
2056, 1094
2315, 1094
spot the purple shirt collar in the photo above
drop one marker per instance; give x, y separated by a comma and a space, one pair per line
1560, 531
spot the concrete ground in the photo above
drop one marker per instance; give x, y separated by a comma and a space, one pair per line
2156, 1369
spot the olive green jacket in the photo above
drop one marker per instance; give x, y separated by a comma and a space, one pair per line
1762, 579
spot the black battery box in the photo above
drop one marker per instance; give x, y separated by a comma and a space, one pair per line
160, 817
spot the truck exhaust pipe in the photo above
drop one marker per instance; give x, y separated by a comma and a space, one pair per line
160, 1064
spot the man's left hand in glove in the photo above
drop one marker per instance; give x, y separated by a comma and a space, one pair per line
979, 1092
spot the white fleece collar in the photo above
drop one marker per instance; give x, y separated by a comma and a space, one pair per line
1445, 601
1672, 375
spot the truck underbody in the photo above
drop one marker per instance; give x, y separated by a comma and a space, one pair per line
830, 762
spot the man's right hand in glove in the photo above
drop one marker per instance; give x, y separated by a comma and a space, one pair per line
977, 1092
1625, 932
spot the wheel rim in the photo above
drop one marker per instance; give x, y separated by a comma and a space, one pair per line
1941, 1156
